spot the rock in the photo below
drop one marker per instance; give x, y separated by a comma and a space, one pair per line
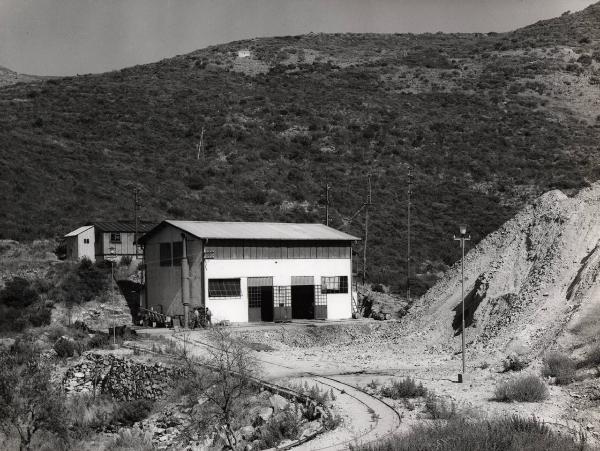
79, 375
247, 432
278, 402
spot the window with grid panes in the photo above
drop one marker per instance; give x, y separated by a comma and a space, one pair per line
336, 284
224, 288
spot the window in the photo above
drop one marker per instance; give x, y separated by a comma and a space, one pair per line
224, 288
86, 241
115, 237
165, 254
177, 253
337, 284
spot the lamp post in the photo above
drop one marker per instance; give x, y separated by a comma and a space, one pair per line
462, 238
112, 251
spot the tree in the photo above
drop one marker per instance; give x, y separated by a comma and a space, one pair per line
28, 401
223, 379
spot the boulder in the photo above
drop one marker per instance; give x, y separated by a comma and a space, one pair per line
310, 428
278, 402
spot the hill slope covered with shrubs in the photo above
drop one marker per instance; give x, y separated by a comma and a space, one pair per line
487, 121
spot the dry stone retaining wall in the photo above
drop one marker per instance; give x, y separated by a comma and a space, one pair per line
121, 377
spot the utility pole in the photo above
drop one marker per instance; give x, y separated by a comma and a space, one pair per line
136, 205
367, 205
200, 145
408, 236
327, 205
462, 238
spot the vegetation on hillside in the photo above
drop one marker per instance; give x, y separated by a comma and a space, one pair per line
486, 121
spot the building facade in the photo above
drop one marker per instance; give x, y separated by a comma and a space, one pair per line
100, 240
247, 272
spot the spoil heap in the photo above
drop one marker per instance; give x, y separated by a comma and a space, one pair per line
528, 286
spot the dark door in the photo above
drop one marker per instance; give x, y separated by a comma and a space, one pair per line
303, 301
282, 302
260, 304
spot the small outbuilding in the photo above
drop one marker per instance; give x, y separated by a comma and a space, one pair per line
247, 271
100, 240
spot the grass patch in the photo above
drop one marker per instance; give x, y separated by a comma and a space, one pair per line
560, 366
404, 388
438, 408
527, 388
592, 358
460, 434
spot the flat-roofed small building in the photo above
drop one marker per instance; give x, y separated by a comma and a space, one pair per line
246, 272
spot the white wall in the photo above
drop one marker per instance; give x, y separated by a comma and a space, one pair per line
339, 305
86, 249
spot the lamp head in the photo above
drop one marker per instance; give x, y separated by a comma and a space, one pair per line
463, 229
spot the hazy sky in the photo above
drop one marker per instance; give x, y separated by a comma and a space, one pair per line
66, 37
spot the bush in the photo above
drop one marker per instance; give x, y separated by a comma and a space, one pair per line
592, 358
559, 366
64, 347
514, 363
99, 340
280, 427
132, 440
527, 388
377, 288
130, 412
404, 388
459, 434
439, 408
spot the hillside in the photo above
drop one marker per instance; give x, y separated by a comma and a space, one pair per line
530, 286
488, 122
9, 77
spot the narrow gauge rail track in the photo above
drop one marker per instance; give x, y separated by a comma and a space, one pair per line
370, 403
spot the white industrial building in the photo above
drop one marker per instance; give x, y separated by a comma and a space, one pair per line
246, 272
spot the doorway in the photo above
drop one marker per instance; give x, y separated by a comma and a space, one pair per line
260, 299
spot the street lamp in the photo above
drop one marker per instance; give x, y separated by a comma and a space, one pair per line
112, 257
462, 238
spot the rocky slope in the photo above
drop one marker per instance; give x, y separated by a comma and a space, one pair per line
529, 286
9, 77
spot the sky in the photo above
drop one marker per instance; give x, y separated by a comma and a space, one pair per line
68, 37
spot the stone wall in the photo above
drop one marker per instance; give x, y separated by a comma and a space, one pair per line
121, 377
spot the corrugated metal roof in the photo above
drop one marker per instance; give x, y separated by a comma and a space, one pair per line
260, 231
78, 231
143, 227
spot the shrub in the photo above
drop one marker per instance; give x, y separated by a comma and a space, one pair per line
559, 366
280, 427
404, 388
130, 412
132, 440
99, 340
125, 260
439, 408
64, 347
592, 358
514, 363
527, 388
459, 434
377, 288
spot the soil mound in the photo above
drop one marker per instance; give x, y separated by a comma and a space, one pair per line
529, 286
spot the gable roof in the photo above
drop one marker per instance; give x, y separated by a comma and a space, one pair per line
123, 226
255, 231
78, 231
